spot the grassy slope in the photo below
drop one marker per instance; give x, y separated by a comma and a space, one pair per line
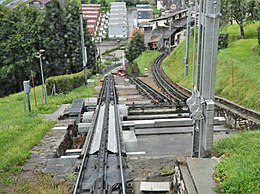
145, 59
246, 67
239, 171
20, 131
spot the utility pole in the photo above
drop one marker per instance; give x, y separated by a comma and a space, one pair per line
170, 37
44, 92
186, 59
84, 50
99, 52
201, 103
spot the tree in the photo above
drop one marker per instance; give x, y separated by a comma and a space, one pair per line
25, 30
242, 11
136, 47
18, 40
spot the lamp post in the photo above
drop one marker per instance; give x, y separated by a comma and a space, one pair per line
39, 56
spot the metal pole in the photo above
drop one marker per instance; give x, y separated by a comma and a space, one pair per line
99, 52
28, 100
43, 86
170, 37
188, 40
84, 56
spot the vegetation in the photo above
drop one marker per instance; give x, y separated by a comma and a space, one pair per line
66, 83
241, 53
167, 170
145, 59
20, 130
42, 183
238, 172
25, 30
242, 13
136, 47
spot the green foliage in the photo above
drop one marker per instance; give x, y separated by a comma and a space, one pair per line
66, 83
246, 70
136, 47
238, 172
145, 59
242, 13
25, 30
223, 41
20, 27
168, 170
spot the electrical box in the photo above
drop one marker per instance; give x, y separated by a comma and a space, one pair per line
26, 87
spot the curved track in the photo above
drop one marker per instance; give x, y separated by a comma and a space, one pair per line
149, 91
169, 90
180, 94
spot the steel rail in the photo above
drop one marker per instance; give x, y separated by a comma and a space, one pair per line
87, 143
222, 103
118, 133
149, 91
102, 154
170, 90
100, 185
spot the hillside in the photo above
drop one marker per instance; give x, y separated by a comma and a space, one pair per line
145, 59
244, 54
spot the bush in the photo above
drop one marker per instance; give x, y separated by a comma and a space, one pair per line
223, 41
66, 83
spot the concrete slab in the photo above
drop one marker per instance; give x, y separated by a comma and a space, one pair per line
90, 101
87, 117
112, 141
189, 185
83, 127
155, 186
98, 131
201, 170
123, 110
130, 141
172, 130
174, 122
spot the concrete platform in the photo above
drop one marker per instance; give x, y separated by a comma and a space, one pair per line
176, 130
175, 122
200, 171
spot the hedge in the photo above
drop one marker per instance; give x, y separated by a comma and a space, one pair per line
66, 83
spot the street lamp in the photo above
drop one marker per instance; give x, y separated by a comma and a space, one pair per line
39, 56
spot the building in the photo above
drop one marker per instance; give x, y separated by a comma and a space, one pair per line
165, 29
118, 25
144, 14
91, 12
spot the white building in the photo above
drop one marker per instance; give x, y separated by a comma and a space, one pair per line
118, 27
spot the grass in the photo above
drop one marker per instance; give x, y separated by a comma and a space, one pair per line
40, 183
145, 59
240, 170
244, 54
20, 131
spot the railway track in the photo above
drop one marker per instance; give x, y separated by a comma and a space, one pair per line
102, 169
155, 96
180, 94
167, 87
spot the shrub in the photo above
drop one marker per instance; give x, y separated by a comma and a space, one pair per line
66, 83
223, 41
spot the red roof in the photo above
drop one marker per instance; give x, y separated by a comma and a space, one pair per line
135, 30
